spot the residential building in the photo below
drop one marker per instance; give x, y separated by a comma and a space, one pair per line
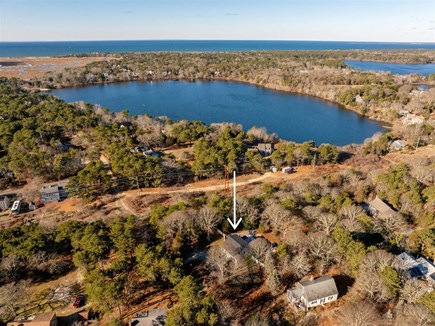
412, 268
154, 317
378, 208
397, 145
146, 151
236, 247
44, 319
53, 192
311, 293
265, 149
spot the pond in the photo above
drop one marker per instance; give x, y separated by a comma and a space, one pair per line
394, 68
293, 117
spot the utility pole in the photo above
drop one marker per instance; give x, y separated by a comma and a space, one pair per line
314, 161
227, 180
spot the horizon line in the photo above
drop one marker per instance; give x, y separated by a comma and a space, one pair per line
216, 40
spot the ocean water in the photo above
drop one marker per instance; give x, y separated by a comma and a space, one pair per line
25, 49
293, 117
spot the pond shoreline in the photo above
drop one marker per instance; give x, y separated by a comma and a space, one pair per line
292, 115
273, 87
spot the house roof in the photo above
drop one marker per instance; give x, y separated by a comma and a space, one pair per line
319, 288
265, 146
405, 261
46, 316
379, 205
152, 317
416, 268
234, 244
426, 266
235, 241
43, 319
50, 189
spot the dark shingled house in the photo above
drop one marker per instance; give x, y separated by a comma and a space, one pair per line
265, 149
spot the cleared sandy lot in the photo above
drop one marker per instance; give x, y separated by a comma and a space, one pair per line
31, 67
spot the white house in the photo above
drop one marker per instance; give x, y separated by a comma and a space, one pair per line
311, 293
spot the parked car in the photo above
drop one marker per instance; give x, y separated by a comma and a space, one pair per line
288, 169
79, 301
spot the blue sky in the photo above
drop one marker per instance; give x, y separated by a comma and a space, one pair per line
341, 20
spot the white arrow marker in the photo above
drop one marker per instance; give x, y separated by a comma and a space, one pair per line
234, 223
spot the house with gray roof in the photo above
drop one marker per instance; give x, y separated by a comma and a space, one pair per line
235, 246
53, 192
378, 208
415, 268
311, 293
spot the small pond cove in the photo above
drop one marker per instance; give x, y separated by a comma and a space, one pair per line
293, 117
394, 68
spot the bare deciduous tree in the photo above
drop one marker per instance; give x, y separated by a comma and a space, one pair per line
226, 312
219, 261
375, 262
326, 222
309, 320
208, 220
274, 215
260, 248
11, 264
312, 213
10, 295
392, 225
257, 320
414, 314
372, 287
351, 212
247, 211
178, 223
359, 314
413, 290
260, 134
300, 265
369, 282
321, 248
31, 190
